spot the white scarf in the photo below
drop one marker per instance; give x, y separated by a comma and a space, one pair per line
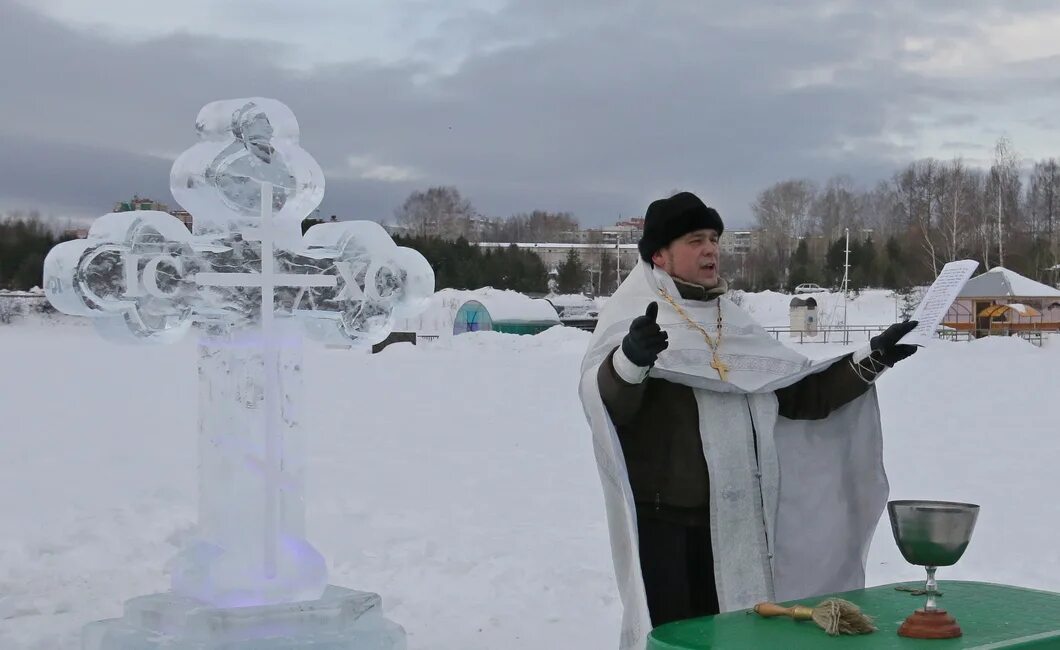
797, 522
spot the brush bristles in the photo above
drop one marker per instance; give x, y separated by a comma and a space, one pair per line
837, 616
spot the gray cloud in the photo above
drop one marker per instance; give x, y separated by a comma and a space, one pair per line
957, 119
594, 107
963, 146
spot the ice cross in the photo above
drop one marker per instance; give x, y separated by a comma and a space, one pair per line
267, 280
251, 284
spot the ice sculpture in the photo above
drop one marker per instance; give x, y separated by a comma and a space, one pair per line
251, 285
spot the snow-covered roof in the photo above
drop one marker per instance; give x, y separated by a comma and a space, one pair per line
506, 305
569, 300
1000, 282
503, 306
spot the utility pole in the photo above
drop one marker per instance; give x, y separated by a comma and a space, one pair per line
618, 261
846, 285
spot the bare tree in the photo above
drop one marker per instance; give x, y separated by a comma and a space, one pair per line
1043, 201
879, 210
543, 226
956, 197
1005, 185
916, 188
836, 207
782, 214
536, 226
437, 212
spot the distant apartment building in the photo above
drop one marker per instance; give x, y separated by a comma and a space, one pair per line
624, 232
184, 216
142, 203
737, 242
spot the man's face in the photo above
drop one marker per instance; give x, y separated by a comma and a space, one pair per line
692, 258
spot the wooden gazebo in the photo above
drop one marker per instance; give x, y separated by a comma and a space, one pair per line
1001, 301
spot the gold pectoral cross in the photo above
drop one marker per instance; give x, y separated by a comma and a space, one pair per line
716, 363
723, 370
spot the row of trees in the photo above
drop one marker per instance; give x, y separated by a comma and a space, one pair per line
871, 265
442, 212
930, 212
26, 240
24, 243
459, 265
902, 231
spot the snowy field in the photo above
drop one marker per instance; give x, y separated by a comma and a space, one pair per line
457, 479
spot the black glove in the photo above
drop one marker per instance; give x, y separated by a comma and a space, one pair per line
645, 339
885, 346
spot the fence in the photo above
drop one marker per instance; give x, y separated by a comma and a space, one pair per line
19, 303
862, 333
830, 333
1033, 336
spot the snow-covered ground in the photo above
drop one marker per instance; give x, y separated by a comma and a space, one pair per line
456, 479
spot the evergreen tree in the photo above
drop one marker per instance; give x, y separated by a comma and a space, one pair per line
459, 265
834, 260
571, 271
800, 269
865, 273
24, 243
894, 276
608, 275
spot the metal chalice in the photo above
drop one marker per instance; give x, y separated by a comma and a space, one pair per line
931, 534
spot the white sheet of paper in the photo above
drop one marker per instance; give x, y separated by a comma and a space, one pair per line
931, 310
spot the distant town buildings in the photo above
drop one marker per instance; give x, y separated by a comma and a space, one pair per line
139, 203
596, 247
184, 216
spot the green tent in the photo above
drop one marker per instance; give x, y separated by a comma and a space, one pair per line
472, 317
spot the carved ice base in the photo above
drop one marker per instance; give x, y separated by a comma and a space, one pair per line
342, 619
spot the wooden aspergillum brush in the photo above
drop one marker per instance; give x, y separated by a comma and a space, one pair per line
835, 616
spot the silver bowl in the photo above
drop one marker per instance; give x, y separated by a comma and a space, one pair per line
932, 533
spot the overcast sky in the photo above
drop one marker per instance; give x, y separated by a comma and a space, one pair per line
591, 106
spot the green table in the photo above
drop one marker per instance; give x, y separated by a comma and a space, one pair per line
991, 616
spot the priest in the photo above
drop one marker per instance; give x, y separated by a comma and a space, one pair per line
734, 469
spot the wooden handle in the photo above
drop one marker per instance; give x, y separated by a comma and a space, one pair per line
798, 612
770, 610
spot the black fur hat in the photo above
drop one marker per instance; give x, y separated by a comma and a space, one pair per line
668, 219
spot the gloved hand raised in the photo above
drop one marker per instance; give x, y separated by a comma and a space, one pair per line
885, 346
645, 339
